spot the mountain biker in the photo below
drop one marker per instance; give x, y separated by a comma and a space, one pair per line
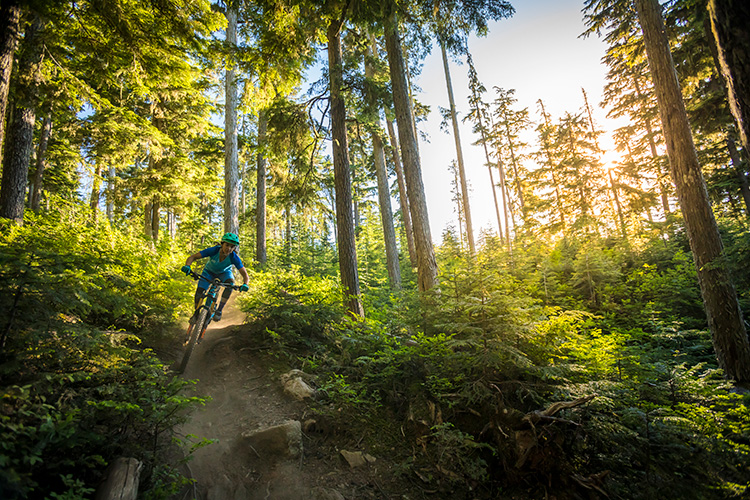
223, 257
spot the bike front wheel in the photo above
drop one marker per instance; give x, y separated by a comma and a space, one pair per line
193, 334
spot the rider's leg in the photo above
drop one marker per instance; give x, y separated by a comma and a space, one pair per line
200, 291
224, 298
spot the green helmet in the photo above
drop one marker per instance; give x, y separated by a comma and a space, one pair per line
230, 238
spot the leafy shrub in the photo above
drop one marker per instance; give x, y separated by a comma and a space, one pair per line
77, 389
81, 398
481, 390
62, 263
293, 310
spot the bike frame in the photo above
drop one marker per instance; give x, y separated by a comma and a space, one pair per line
204, 315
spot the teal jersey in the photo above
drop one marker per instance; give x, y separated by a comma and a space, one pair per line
216, 266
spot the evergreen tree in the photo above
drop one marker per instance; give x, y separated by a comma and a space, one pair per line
612, 186
459, 153
508, 123
231, 161
342, 178
547, 175
41, 163
261, 254
426, 263
479, 114
729, 21
629, 92
10, 32
719, 296
384, 196
21, 130
402, 193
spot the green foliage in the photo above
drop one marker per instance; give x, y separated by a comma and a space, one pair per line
450, 382
292, 309
61, 263
81, 399
77, 389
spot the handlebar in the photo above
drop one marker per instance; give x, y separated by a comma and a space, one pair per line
215, 281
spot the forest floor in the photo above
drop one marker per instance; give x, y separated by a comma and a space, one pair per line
246, 394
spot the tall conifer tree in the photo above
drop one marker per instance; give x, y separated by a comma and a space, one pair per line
427, 268
719, 296
342, 178
231, 162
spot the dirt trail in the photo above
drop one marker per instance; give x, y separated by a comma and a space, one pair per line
242, 399
246, 395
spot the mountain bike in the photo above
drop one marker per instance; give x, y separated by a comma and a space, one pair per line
202, 316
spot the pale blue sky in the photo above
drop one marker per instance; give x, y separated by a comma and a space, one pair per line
539, 53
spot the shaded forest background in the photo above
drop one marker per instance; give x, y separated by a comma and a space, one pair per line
592, 343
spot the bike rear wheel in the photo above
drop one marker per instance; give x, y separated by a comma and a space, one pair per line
193, 334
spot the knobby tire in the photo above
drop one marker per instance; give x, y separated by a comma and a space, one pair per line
195, 332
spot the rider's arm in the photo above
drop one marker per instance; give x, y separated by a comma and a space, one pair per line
243, 273
237, 262
193, 258
208, 252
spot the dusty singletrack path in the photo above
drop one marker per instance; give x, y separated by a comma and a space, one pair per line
245, 395
242, 398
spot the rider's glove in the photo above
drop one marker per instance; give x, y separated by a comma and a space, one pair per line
186, 269
244, 288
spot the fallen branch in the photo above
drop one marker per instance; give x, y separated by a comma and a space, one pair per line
537, 416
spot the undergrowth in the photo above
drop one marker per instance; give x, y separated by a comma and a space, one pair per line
487, 392
79, 388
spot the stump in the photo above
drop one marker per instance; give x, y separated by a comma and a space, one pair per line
121, 482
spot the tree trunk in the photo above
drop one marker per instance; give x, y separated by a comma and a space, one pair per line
612, 186
384, 194
243, 188
514, 164
21, 134
122, 479
551, 166
730, 25
618, 206
483, 130
155, 219
386, 214
347, 247
148, 220
652, 148
459, 203
171, 223
10, 27
427, 269
231, 166
96, 190
260, 206
506, 201
111, 194
494, 193
725, 320
734, 155
403, 197
459, 153
288, 235
41, 163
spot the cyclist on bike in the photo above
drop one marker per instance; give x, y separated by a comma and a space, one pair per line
223, 257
